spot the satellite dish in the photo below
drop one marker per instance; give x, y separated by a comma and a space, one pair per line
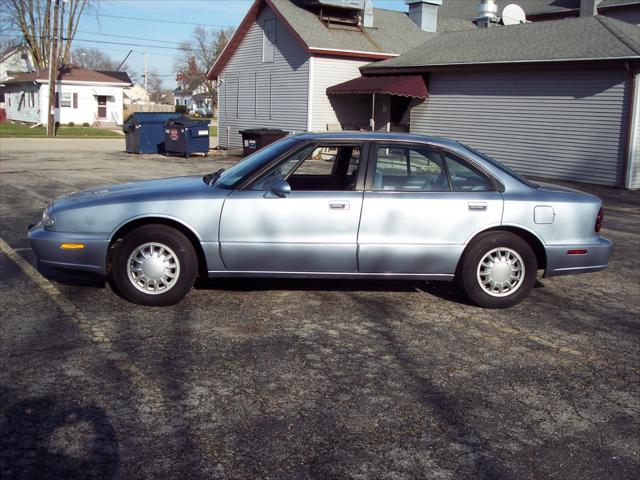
513, 14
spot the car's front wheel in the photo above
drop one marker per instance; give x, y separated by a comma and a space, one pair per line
154, 265
498, 270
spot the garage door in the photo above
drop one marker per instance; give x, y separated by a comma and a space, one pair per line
567, 124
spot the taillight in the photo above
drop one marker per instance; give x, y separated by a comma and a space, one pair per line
599, 219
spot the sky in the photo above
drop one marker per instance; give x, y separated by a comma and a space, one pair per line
159, 26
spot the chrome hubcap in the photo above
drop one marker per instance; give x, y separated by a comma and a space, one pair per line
153, 268
501, 272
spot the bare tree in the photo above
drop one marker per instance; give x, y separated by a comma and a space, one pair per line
96, 59
156, 91
199, 54
34, 19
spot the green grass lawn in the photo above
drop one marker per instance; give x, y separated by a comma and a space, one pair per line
15, 130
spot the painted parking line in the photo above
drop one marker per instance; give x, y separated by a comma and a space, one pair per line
96, 334
29, 191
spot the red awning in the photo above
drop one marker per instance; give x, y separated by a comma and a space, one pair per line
405, 85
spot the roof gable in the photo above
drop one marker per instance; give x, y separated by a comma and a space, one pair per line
393, 33
575, 39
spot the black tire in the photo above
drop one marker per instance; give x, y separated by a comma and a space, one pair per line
177, 242
481, 246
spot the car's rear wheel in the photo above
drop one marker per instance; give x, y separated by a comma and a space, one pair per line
154, 265
498, 270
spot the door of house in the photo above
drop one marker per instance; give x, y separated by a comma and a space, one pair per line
102, 106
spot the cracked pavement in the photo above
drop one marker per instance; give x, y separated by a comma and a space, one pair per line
291, 379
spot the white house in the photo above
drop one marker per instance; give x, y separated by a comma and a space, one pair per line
195, 97
135, 94
82, 96
14, 60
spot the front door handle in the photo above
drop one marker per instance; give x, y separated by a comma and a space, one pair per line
339, 205
477, 205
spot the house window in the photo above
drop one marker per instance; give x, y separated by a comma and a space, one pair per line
268, 40
65, 99
9, 99
31, 99
75, 100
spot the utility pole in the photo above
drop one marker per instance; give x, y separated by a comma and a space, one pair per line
146, 77
53, 73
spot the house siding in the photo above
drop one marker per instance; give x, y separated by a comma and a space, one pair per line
563, 124
634, 154
329, 71
84, 113
17, 104
254, 94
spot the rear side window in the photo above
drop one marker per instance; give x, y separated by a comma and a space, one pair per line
464, 177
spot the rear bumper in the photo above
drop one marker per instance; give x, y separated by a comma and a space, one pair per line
91, 258
560, 263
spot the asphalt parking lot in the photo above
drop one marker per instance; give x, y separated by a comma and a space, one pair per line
278, 379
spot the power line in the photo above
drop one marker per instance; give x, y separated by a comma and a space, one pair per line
157, 20
128, 44
127, 36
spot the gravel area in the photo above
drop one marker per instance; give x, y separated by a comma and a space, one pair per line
281, 379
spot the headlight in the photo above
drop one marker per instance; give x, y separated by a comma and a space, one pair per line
47, 217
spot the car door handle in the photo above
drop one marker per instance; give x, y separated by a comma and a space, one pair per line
339, 205
477, 205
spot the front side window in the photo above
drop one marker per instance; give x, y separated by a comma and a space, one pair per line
65, 99
316, 168
404, 168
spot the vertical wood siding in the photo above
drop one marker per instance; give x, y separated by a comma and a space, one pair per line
562, 124
328, 71
254, 94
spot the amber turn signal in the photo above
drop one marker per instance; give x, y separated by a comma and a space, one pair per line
72, 246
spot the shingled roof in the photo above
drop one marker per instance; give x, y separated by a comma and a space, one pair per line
71, 73
575, 39
468, 9
393, 32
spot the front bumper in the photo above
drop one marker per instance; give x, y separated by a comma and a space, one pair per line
561, 263
46, 245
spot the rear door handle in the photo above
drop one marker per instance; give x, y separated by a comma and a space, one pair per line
477, 205
339, 205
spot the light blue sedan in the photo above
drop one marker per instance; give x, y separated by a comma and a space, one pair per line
333, 205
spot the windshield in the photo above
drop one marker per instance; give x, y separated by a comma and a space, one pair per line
230, 177
500, 166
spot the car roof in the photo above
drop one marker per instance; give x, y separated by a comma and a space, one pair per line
376, 136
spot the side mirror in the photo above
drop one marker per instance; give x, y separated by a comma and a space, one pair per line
278, 189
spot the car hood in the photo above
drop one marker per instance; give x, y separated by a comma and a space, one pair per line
166, 188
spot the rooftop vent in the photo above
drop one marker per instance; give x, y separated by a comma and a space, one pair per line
350, 14
487, 14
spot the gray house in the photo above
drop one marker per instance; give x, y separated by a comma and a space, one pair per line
285, 54
556, 99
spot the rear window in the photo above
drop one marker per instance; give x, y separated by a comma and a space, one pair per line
501, 166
